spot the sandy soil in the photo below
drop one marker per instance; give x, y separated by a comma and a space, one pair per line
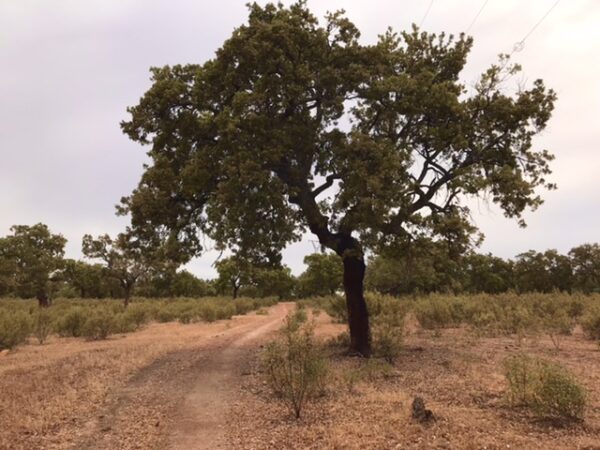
199, 386
156, 388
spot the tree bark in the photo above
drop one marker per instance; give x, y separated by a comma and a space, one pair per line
358, 316
127, 296
236, 288
43, 300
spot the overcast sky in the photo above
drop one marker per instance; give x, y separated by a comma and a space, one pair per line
69, 69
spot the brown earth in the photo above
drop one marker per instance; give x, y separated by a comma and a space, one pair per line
166, 386
459, 376
198, 386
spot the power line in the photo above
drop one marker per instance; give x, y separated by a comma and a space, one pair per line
520, 45
476, 16
426, 13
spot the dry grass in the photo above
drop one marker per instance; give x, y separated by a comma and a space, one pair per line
61, 394
51, 393
459, 376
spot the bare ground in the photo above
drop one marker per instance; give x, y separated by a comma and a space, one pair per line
198, 386
164, 387
459, 376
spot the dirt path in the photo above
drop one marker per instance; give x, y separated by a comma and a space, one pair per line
200, 423
181, 400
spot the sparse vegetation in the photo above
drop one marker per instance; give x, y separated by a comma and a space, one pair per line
15, 326
42, 325
547, 388
98, 319
591, 323
295, 366
99, 325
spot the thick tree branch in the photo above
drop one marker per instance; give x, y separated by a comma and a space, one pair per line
329, 180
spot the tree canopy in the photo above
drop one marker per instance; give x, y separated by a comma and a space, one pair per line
323, 275
29, 257
296, 124
122, 259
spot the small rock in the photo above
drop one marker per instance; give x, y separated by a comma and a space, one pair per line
420, 413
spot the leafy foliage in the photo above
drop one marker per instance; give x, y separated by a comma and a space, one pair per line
295, 367
99, 325
548, 389
123, 260
28, 259
323, 275
14, 328
591, 323
585, 261
247, 148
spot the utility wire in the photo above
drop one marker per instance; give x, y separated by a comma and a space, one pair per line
520, 45
476, 16
426, 14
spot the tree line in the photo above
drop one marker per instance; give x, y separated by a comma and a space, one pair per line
32, 264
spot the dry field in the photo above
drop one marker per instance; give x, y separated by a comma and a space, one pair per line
198, 386
123, 393
459, 376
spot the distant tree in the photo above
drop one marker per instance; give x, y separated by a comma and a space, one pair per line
422, 265
560, 270
323, 275
274, 282
186, 284
251, 148
487, 273
542, 272
172, 283
122, 259
7, 273
234, 272
88, 279
585, 260
29, 257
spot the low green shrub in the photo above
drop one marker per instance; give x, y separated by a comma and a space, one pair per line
557, 325
519, 320
388, 331
208, 313
42, 325
166, 313
14, 328
137, 314
336, 308
434, 313
591, 323
226, 311
387, 341
558, 394
296, 368
71, 323
548, 389
98, 326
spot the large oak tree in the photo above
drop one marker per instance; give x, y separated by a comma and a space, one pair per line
297, 125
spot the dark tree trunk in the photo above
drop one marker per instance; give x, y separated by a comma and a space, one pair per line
127, 296
358, 316
235, 291
43, 300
